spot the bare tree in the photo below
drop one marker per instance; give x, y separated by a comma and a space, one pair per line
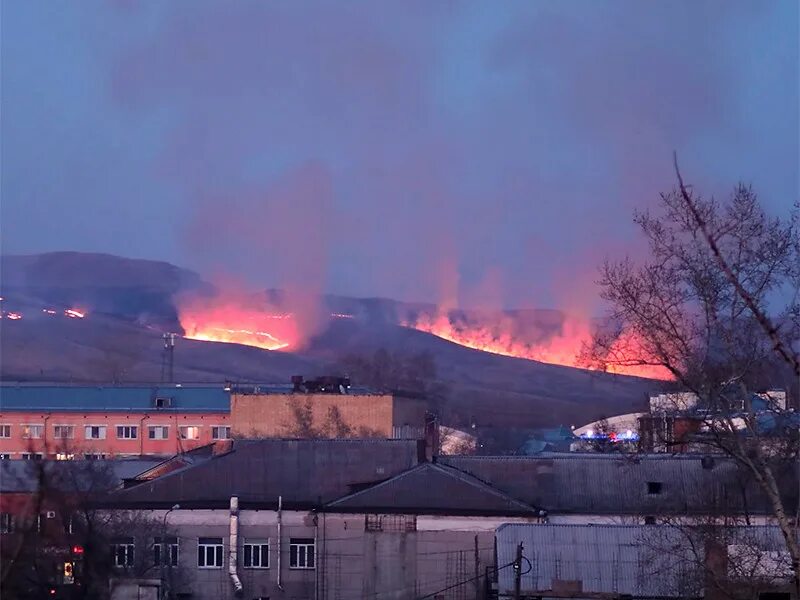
715, 305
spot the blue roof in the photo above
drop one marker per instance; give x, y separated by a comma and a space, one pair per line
124, 398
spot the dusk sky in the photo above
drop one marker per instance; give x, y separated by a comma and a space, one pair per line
491, 152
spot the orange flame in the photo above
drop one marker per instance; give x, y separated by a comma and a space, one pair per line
74, 314
499, 338
232, 322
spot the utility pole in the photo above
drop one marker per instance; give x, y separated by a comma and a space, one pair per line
518, 572
168, 358
477, 571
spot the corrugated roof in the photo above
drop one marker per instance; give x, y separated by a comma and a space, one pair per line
431, 489
650, 561
70, 475
303, 472
113, 398
624, 484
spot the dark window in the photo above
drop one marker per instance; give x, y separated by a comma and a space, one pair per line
301, 553
649, 520
394, 523
256, 554
172, 551
209, 553
6, 523
163, 402
122, 550
654, 487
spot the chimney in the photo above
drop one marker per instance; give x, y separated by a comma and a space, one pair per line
431, 436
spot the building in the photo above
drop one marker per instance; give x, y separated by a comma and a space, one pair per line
635, 561
329, 406
66, 422
123, 421
326, 519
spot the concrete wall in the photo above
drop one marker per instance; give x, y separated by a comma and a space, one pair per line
351, 562
273, 415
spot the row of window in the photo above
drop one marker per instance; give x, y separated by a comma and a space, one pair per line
124, 432
210, 553
58, 456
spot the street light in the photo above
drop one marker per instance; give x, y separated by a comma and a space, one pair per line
165, 559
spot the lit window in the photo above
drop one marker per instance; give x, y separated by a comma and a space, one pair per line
190, 432
63, 432
5, 456
209, 553
127, 432
221, 432
172, 551
64, 456
95, 432
256, 554
5, 431
301, 553
32, 431
158, 432
123, 552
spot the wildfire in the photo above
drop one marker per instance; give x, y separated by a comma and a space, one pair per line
74, 314
48, 311
235, 322
499, 338
14, 316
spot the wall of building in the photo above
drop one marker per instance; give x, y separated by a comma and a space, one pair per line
351, 562
17, 444
274, 415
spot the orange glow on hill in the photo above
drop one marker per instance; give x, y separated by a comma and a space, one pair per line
234, 323
561, 349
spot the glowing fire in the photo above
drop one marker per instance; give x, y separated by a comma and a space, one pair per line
234, 323
14, 316
48, 311
500, 338
74, 314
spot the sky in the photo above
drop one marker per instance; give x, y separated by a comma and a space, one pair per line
468, 153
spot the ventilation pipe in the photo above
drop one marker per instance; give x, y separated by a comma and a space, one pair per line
234, 549
280, 541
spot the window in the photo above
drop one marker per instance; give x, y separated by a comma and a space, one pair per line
162, 402
209, 553
64, 456
32, 431
301, 553
63, 432
189, 432
94, 456
256, 554
172, 551
95, 432
654, 487
399, 523
122, 550
221, 432
649, 520
127, 432
5, 456
6, 523
158, 432
5, 431
32, 456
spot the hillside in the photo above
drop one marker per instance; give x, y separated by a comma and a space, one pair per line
130, 303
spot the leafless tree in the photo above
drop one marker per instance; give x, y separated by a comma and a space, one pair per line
716, 306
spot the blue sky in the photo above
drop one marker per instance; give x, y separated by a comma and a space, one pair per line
487, 153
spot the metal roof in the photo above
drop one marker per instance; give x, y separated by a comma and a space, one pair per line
304, 473
649, 561
433, 489
122, 398
649, 484
22, 476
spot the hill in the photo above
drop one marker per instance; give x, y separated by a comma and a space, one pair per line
130, 303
